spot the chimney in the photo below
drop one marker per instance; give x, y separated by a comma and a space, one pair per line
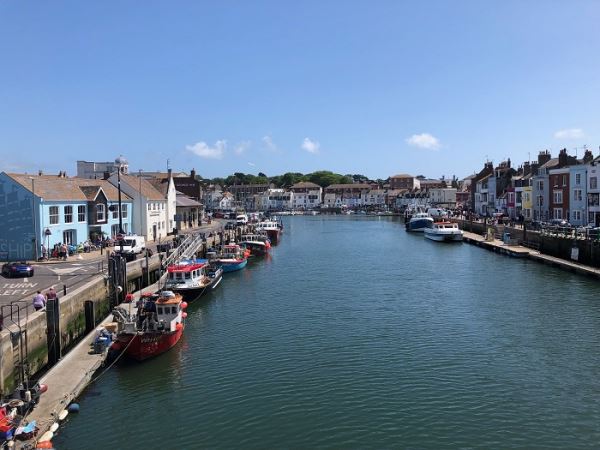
40, 173
588, 156
193, 174
170, 172
562, 158
526, 168
106, 175
543, 157
534, 168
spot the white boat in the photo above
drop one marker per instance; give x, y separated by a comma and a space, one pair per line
443, 231
419, 222
273, 228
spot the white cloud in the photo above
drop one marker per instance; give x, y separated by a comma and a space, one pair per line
251, 164
242, 147
310, 146
424, 140
203, 150
269, 144
569, 133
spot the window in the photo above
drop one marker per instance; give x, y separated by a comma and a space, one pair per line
53, 213
577, 195
540, 185
68, 214
163, 225
577, 215
81, 213
557, 196
564, 180
123, 211
100, 213
115, 213
578, 178
540, 200
149, 206
593, 183
557, 213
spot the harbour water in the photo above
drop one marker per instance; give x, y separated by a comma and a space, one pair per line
355, 334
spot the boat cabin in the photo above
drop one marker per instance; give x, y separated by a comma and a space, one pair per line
185, 273
168, 311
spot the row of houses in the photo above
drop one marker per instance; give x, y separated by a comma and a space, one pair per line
563, 188
41, 210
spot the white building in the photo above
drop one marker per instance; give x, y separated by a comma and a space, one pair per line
306, 195
375, 197
97, 170
149, 206
445, 197
274, 199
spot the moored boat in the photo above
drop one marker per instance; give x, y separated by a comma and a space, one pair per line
156, 326
272, 228
444, 232
419, 222
193, 278
258, 243
232, 258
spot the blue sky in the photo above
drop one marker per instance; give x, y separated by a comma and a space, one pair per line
376, 88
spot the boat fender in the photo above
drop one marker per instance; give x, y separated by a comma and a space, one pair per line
43, 388
184, 305
73, 408
47, 436
184, 315
54, 427
44, 444
63, 414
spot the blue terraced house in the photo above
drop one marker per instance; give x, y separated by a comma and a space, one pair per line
44, 210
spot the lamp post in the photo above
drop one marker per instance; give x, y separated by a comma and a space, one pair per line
33, 214
119, 163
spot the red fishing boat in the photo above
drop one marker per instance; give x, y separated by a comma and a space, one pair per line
156, 326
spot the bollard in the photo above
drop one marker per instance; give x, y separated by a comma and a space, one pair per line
64, 289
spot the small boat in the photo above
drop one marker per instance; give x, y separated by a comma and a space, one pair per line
232, 258
272, 228
258, 243
193, 278
156, 326
419, 222
444, 231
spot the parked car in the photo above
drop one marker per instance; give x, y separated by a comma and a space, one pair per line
559, 223
17, 269
230, 226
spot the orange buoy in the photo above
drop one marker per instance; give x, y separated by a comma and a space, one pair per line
44, 444
184, 305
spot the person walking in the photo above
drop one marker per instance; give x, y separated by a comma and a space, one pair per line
39, 301
51, 294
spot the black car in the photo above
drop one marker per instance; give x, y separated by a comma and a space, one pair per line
17, 269
230, 226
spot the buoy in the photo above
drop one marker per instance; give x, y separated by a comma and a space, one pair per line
63, 414
47, 436
184, 305
54, 427
44, 444
184, 315
43, 388
73, 408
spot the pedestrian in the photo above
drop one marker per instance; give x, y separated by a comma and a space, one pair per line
39, 301
65, 251
51, 294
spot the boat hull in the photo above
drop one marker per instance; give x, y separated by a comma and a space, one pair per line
148, 344
443, 237
274, 235
256, 250
233, 266
419, 225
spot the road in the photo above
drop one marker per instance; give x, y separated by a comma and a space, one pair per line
69, 273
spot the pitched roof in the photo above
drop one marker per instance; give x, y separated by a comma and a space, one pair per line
52, 187
160, 184
550, 163
304, 185
143, 185
185, 201
403, 175
349, 186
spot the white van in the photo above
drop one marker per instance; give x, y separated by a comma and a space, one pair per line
241, 219
131, 244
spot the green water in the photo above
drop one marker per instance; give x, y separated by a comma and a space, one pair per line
355, 334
